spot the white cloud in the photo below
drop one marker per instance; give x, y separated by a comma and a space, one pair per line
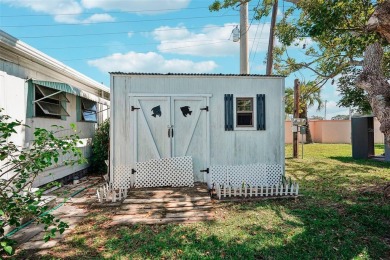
54, 8
212, 40
97, 18
138, 6
150, 62
258, 69
63, 11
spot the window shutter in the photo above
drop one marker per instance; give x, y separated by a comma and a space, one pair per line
229, 112
30, 99
260, 111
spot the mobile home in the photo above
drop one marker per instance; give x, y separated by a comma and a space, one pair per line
41, 92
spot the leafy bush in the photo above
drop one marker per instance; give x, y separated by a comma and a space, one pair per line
100, 147
18, 169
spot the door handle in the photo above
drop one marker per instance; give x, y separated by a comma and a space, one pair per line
172, 132
169, 133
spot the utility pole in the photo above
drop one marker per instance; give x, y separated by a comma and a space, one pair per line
244, 66
296, 115
270, 56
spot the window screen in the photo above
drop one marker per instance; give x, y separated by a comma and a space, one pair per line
244, 112
48, 102
88, 110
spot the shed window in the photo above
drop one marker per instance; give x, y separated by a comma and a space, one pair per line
49, 102
88, 110
244, 112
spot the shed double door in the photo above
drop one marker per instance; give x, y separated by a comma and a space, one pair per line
171, 126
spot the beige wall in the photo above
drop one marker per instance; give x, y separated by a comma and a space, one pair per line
331, 131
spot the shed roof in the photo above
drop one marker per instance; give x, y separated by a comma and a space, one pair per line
195, 74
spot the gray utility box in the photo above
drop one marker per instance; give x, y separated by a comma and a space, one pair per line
362, 137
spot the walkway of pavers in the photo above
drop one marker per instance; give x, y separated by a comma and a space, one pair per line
69, 211
142, 206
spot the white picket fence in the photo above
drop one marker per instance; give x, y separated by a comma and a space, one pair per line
226, 190
107, 193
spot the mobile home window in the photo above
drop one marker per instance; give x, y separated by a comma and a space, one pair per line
244, 112
49, 102
88, 110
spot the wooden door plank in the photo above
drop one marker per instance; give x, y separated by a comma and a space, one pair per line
148, 132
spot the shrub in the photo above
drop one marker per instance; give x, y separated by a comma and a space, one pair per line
21, 166
100, 147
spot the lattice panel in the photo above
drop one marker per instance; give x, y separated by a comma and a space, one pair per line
175, 172
256, 174
218, 174
274, 174
249, 175
122, 177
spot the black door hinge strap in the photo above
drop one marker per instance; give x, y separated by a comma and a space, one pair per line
207, 170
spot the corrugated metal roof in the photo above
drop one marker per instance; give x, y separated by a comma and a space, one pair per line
195, 74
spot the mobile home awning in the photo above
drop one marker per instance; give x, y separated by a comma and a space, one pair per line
71, 90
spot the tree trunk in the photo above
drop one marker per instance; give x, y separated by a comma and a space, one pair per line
380, 20
374, 83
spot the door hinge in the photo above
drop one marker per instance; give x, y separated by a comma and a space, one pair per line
207, 170
134, 108
205, 108
133, 171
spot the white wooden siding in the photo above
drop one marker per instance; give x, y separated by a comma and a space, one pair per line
13, 91
227, 147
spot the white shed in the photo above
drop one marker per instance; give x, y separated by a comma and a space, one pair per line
174, 129
41, 92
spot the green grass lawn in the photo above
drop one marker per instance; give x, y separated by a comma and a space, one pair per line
342, 215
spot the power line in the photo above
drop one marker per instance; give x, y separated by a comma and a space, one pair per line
93, 58
106, 12
119, 45
112, 33
250, 53
117, 22
116, 12
258, 43
130, 44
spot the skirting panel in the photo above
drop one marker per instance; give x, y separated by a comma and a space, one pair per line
250, 175
173, 172
122, 177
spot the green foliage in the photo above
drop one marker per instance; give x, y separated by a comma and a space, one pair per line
351, 96
316, 117
336, 35
341, 215
310, 95
20, 166
100, 147
340, 117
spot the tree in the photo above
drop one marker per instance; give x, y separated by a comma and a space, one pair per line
317, 117
347, 34
100, 147
310, 95
352, 97
18, 169
340, 117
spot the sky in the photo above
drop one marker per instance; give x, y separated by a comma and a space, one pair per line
95, 37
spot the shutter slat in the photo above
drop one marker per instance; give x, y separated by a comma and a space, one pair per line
260, 111
228, 112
